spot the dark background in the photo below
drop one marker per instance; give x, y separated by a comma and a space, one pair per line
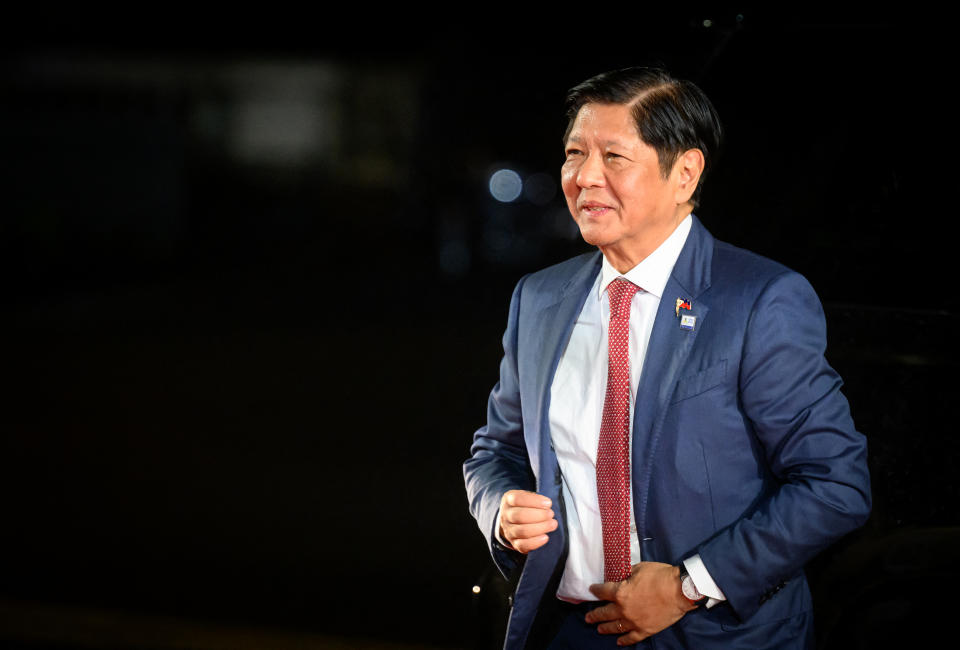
254, 284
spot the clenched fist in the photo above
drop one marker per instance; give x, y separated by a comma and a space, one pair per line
525, 520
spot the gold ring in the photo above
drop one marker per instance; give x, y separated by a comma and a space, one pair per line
620, 625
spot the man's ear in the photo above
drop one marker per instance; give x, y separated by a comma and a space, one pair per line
687, 171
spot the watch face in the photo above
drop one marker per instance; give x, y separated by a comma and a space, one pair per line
689, 590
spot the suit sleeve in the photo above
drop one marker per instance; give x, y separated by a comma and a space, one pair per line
498, 461
820, 487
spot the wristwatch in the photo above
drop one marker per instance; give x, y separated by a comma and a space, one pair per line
688, 588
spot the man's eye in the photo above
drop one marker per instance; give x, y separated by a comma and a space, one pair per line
573, 152
610, 154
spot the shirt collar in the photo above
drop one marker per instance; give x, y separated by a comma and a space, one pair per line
652, 273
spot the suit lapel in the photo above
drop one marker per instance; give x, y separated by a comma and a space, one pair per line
667, 351
553, 324
558, 319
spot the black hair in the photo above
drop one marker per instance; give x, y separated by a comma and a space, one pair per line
671, 115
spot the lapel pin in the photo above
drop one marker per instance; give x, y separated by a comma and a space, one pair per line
682, 304
688, 322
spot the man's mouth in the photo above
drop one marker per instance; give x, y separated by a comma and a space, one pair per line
592, 207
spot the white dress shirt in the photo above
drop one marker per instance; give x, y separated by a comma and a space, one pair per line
576, 408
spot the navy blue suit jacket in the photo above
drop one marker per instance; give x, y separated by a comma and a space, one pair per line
744, 450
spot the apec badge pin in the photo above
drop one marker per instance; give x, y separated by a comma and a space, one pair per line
687, 321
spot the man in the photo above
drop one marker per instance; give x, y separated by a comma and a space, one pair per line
667, 446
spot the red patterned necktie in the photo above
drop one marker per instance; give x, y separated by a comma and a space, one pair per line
613, 453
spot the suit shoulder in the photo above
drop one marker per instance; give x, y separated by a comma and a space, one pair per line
742, 266
759, 284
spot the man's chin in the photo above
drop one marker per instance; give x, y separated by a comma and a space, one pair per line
594, 236
600, 242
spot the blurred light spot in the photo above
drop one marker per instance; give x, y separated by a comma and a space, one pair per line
540, 188
505, 185
707, 23
277, 130
739, 18
476, 589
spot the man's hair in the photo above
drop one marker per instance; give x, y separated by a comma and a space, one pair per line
671, 115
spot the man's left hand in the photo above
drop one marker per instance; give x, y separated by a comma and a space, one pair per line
648, 601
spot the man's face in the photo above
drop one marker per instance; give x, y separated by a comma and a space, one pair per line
612, 182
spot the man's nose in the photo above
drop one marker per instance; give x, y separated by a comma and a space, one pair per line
591, 172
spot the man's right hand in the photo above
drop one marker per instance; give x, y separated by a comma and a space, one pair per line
525, 520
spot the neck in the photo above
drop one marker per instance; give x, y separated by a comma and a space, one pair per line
625, 255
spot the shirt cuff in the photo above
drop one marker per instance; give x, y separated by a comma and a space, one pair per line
702, 580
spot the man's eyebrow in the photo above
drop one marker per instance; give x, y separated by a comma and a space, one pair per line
609, 143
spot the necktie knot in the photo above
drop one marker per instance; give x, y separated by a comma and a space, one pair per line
621, 292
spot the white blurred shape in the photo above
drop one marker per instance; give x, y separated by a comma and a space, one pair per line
505, 185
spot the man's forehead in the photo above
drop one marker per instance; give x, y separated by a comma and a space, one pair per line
619, 112
612, 123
